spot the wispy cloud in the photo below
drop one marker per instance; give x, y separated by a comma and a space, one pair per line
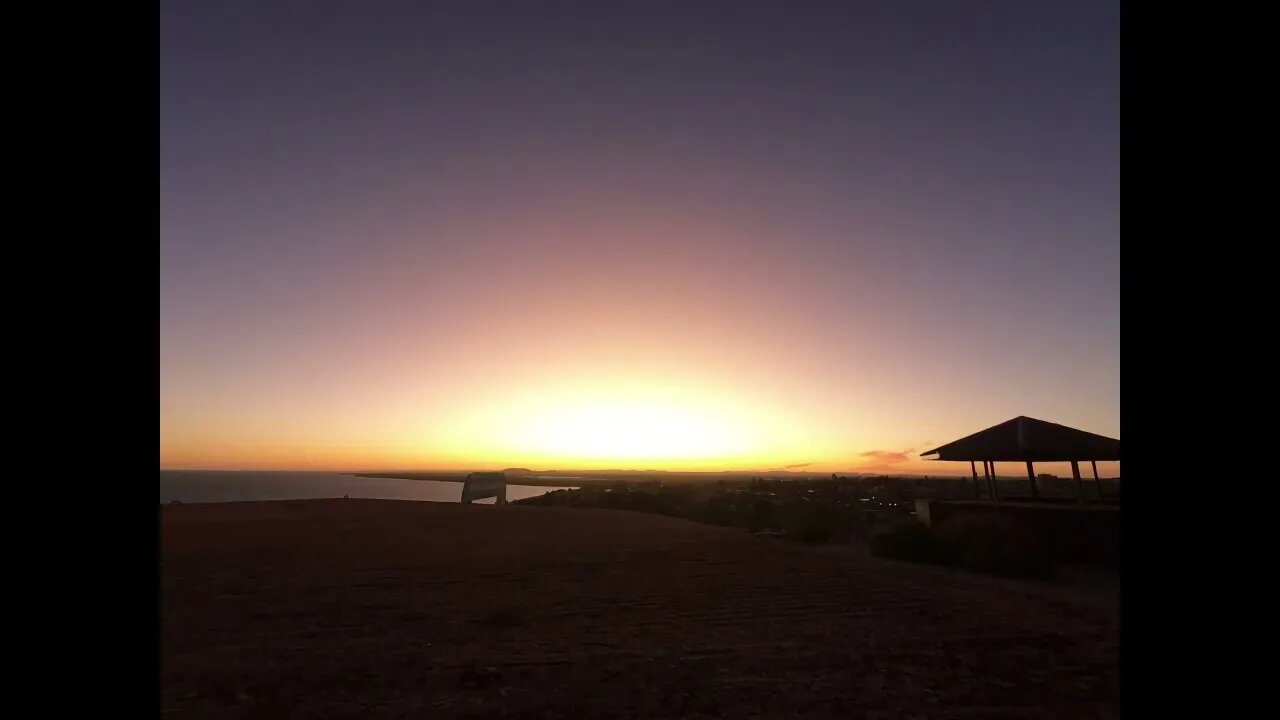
790, 467
883, 458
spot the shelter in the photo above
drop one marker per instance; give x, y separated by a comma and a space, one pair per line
1029, 440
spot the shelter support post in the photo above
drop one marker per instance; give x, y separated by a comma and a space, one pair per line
1075, 473
973, 467
1031, 478
1097, 479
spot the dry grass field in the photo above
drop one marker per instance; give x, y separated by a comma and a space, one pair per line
388, 609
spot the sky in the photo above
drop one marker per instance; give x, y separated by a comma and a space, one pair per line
687, 236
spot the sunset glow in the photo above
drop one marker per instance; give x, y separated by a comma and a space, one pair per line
418, 255
630, 432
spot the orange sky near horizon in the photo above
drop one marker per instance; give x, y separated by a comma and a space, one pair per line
515, 416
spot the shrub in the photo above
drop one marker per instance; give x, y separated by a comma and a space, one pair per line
905, 540
811, 523
994, 545
763, 515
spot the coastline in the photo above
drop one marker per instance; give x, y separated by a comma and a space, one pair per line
527, 480
189, 486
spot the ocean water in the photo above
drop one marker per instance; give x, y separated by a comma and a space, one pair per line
205, 486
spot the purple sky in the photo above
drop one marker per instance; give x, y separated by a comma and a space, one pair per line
876, 224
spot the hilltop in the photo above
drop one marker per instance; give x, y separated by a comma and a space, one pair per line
381, 609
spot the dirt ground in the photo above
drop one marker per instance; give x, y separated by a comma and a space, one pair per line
389, 609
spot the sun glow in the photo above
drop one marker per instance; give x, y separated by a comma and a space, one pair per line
606, 422
634, 430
